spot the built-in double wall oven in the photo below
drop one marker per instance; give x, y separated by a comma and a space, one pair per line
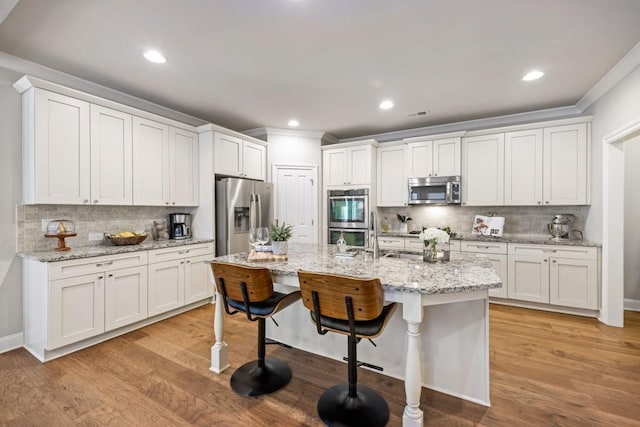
348, 213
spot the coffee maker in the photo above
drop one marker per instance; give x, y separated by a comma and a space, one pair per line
180, 226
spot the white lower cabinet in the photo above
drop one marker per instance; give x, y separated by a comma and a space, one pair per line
68, 305
125, 297
76, 309
559, 275
496, 252
178, 276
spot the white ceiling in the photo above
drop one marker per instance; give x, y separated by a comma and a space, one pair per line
252, 63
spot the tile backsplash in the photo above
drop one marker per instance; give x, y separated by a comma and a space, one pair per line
88, 220
518, 219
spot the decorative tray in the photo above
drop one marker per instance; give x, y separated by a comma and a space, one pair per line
126, 238
261, 256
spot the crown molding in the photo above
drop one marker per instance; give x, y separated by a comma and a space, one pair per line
489, 122
265, 132
614, 76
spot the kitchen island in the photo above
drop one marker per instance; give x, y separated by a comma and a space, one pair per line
443, 309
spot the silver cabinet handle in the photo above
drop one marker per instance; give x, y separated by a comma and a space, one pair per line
552, 251
85, 201
173, 203
547, 202
553, 261
95, 201
100, 277
184, 252
110, 275
546, 260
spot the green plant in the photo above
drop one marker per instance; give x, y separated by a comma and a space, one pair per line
280, 233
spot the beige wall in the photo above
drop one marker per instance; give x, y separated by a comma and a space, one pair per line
631, 215
10, 196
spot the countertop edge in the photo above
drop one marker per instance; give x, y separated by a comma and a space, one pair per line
105, 250
533, 239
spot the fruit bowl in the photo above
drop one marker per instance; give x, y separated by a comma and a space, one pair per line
126, 238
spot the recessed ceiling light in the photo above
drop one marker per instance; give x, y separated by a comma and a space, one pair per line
385, 105
532, 75
155, 56
293, 123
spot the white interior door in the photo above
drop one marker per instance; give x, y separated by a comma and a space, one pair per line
296, 196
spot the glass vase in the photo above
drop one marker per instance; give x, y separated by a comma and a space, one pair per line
435, 252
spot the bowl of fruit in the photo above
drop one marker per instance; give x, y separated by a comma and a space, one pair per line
126, 238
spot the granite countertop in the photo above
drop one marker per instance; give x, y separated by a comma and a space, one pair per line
465, 272
536, 239
93, 251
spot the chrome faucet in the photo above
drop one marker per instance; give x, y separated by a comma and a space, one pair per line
373, 237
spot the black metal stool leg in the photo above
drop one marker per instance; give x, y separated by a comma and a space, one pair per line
262, 376
353, 404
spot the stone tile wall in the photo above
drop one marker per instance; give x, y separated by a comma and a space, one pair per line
518, 219
88, 220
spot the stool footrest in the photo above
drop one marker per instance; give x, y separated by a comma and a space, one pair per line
366, 365
253, 380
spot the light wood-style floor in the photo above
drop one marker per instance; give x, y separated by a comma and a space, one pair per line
546, 369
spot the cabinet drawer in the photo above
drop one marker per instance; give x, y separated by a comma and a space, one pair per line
413, 244
169, 254
93, 265
484, 247
572, 252
391, 242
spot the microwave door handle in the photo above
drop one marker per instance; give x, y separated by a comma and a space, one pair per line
449, 194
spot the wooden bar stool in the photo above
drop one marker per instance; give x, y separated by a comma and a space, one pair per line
352, 307
250, 290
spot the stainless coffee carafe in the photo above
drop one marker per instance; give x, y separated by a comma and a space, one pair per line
561, 227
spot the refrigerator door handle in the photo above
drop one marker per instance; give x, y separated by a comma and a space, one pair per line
259, 213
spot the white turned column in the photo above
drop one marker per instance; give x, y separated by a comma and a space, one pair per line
412, 313
219, 356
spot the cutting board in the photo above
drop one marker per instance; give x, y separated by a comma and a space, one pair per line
265, 256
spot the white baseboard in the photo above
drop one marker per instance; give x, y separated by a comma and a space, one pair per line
11, 342
631, 304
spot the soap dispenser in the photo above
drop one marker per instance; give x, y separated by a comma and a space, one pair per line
341, 244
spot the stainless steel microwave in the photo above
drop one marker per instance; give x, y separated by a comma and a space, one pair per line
437, 190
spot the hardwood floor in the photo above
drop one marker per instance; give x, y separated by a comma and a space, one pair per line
546, 369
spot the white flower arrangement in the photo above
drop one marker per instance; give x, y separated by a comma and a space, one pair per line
432, 236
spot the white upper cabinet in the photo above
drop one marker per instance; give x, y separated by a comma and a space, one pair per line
56, 160
351, 165
420, 159
82, 149
483, 170
235, 156
165, 164
150, 162
566, 158
523, 167
392, 183
183, 167
111, 157
438, 157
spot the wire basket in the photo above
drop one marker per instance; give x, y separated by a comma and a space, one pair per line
124, 241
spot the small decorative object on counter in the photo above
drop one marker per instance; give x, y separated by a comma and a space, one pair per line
436, 245
403, 226
280, 234
384, 224
125, 238
160, 230
61, 228
341, 244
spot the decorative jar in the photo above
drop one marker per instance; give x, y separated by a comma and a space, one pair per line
435, 252
279, 247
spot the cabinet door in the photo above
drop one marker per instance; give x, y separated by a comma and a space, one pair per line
446, 157
62, 150
183, 167
196, 279
392, 184
334, 164
420, 159
359, 165
528, 278
574, 283
125, 297
253, 161
565, 165
523, 168
76, 309
499, 263
150, 162
228, 155
111, 154
483, 170
166, 286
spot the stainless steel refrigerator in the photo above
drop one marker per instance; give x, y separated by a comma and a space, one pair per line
240, 204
